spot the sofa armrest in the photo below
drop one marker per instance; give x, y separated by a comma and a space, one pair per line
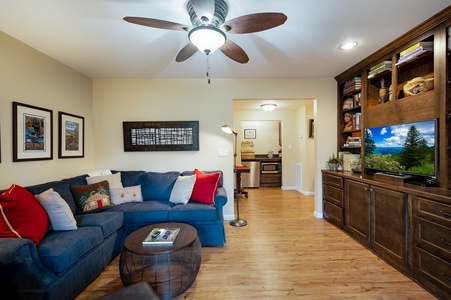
21, 267
220, 201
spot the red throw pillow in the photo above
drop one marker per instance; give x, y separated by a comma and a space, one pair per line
205, 187
21, 215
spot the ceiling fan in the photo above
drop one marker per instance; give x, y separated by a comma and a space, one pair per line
209, 28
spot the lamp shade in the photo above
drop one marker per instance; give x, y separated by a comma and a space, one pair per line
207, 38
227, 129
268, 107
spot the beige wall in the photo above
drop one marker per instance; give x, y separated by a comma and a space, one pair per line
118, 100
30, 77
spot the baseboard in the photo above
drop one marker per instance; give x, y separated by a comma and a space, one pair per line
318, 215
229, 217
288, 188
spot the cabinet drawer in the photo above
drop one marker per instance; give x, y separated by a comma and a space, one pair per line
333, 213
431, 210
433, 237
333, 194
333, 180
433, 272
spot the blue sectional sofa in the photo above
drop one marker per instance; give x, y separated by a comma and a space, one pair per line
64, 263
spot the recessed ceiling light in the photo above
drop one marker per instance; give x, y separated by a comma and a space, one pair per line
348, 45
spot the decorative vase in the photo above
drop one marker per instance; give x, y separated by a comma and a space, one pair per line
383, 92
333, 166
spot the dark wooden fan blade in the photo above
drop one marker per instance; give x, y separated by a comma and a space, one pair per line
187, 51
204, 8
234, 52
155, 23
255, 22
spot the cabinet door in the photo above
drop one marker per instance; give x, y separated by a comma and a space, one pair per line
357, 211
389, 226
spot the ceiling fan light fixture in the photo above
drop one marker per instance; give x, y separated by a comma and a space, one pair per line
207, 38
268, 107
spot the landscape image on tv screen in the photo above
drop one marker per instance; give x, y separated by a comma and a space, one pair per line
405, 148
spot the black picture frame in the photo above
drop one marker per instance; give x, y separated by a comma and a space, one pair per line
71, 136
311, 128
250, 133
32, 133
161, 136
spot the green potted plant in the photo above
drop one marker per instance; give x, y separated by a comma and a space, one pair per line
333, 162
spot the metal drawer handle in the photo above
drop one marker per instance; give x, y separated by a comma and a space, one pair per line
446, 242
445, 213
446, 276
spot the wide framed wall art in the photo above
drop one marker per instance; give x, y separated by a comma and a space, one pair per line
71, 136
32, 133
161, 136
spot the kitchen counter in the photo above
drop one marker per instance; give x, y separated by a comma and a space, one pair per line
260, 157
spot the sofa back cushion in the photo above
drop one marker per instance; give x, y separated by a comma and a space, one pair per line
189, 173
131, 178
158, 186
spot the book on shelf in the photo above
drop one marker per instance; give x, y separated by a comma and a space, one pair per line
357, 121
380, 68
411, 56
357, 99
381, 65
414, 47
354, 84
161, 236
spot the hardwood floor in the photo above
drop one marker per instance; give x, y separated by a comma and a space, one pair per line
284, 253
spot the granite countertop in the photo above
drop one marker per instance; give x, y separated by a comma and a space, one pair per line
260, 157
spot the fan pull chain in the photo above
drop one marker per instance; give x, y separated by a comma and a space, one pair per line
208, 68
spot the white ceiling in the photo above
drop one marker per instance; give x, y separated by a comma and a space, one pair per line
91, 37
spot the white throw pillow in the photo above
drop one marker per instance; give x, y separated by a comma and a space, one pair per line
114, 180
60, 215
182, 190
100, 173
126, 195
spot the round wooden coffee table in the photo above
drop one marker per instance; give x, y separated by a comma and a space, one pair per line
170, 270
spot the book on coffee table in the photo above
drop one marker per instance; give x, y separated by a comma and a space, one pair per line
161, 236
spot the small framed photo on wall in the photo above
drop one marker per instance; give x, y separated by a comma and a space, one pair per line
250, 133
311, 128
32, 133
71, 136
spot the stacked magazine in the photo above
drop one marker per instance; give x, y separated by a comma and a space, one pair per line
161, 236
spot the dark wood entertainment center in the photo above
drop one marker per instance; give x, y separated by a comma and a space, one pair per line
407, 225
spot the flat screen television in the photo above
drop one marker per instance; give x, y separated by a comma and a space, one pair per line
404, 149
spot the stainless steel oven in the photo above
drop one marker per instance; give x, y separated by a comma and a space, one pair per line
271, 167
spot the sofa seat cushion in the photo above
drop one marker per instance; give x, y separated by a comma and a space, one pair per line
108, 221
148, 212
60, 249
192, 212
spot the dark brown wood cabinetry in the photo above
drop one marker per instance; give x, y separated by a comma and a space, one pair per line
378, 218
270, 180
357, 211
432, 250
333, 199
408, 226
390, 226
